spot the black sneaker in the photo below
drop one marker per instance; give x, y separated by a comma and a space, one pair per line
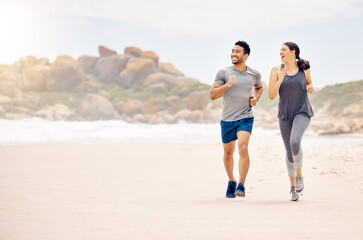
240, 191
231, 189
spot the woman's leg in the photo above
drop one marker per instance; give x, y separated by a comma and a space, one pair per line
285, 130
299, 125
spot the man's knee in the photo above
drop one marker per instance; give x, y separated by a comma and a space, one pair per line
228, 154
243, 148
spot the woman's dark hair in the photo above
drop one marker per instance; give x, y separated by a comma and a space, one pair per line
301, 63
246, 47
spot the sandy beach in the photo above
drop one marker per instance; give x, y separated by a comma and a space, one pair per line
175, 191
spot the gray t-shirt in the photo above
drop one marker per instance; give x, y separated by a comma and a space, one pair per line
236, 100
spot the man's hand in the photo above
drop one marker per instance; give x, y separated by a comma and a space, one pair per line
231, 81
310, 87
253, 101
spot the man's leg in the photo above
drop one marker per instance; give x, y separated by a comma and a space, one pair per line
244, 159
228, 159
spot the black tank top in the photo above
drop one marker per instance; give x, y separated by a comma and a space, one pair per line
293, 97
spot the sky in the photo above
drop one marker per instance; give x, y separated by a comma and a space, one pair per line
195, 35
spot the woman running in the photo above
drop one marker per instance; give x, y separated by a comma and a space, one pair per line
292, 80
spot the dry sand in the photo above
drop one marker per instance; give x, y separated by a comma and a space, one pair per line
174, 191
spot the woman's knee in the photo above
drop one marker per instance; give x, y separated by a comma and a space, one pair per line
295, 146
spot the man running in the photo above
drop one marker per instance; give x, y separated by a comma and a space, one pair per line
241, 89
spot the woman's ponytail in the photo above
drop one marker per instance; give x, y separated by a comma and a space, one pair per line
302, 64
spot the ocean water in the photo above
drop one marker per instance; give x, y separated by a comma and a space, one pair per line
39, 131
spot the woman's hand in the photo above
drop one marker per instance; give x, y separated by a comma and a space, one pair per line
282, 73
310, 87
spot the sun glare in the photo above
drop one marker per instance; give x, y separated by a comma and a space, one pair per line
15, 27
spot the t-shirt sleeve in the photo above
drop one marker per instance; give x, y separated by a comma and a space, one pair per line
220, 78
258, 79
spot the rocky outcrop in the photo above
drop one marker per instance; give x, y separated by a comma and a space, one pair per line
64, 75
136, 87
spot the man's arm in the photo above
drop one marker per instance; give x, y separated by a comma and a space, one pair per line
257, 92
217, 90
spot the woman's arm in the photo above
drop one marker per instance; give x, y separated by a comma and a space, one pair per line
309, 84
276, 78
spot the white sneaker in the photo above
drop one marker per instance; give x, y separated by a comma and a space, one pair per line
299, 183
294, 195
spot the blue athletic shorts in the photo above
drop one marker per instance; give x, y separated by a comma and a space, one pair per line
229, 129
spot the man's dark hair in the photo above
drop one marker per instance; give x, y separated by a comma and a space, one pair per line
246, 47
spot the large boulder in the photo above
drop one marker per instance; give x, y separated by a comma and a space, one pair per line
151, 55
169, 68
168, 80
89, 85
43, 61
87, 63
152, 106
137, 69
188, 80
6, 103
198, 100
186, 115
35, 78
158, 88
212, 114
105, 52
132, 107
96, 107
10, 83
133, 51
65, 74
161, 118
30, 61
108, 69
56, 112
139, 118
2, 112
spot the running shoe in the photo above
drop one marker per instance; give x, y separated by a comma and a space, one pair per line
240, 191
231, 189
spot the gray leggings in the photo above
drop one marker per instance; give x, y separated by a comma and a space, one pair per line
292, 132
